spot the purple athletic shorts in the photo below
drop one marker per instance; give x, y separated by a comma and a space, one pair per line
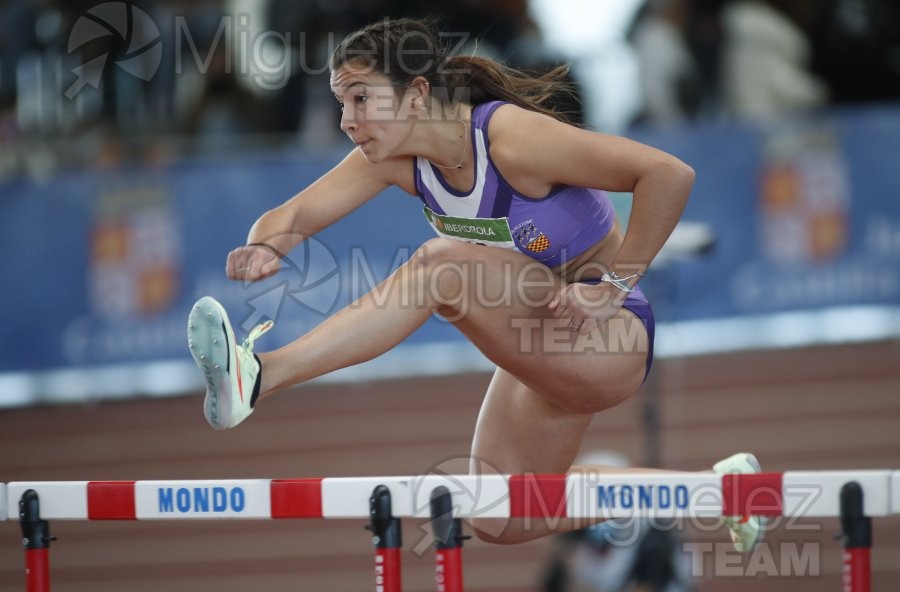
637, 303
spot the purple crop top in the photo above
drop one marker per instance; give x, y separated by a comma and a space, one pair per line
555, 228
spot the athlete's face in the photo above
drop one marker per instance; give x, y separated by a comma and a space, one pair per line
374, 116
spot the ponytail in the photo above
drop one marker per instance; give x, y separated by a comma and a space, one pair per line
489, 80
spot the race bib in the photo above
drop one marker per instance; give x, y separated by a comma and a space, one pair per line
482, 231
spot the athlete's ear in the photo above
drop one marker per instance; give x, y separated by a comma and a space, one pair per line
418, 93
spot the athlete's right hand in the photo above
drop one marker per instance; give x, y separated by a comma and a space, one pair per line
252, 262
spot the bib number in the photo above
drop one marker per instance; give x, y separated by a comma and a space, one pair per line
482, 231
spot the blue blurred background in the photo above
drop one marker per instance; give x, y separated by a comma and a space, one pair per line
139, 141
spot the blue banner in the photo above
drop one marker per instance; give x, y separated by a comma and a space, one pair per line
806, 213
103, 268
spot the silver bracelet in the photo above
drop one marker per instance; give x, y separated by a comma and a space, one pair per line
610, 277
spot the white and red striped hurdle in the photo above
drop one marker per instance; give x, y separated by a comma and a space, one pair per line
854, 496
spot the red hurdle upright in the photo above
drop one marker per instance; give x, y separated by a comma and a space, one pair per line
448, 542
36, 540
857, 539
388, 541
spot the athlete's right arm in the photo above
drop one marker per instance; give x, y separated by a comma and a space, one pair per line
346, 187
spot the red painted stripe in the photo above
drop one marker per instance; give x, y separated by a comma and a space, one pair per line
111, 500
754, 494
296, 498
448, 571
858, 569
537, 496
37, 570
388, 574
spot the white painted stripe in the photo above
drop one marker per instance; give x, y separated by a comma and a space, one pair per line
348, 497
606, 495
817, 493
4, 511
202, 499
485, 496
59, 500
839, 325
895, 492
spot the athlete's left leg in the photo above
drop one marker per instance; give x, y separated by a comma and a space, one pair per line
520, 432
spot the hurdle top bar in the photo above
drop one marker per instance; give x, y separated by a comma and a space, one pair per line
597, 495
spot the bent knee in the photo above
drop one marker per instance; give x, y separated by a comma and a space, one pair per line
446, 265
440, 250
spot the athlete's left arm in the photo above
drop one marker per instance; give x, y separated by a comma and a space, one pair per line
539, 151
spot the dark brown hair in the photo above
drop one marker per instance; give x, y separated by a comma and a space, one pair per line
403, 49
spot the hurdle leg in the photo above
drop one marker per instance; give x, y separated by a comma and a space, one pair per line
386, 536
856, 530
36, 540
448, 542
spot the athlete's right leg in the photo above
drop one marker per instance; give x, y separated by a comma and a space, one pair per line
236, 378
497, 298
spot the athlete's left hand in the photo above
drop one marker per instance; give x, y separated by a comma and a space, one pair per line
585, 307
